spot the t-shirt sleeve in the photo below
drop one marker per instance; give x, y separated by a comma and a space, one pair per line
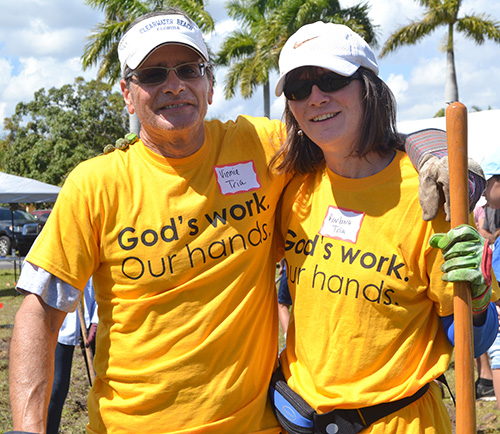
68, 245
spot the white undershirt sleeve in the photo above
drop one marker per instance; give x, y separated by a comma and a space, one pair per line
52, 290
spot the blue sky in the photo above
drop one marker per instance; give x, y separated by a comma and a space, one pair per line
41, 42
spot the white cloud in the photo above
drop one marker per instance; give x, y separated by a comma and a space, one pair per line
398, 85
5, 71
45, 41
41, 42
36, 73
45, 27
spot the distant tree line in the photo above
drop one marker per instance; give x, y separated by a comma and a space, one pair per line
48, 136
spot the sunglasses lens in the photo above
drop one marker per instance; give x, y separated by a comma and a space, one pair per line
151, 75
330, 83
300, 89
190, 71
158, 74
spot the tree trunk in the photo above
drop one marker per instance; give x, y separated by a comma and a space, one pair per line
267, 100
451, 86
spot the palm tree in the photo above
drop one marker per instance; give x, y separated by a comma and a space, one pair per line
252, 51
102, 46
239, 50
477, 27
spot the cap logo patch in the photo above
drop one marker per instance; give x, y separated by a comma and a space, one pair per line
298, 44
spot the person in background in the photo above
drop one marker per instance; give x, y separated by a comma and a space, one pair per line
484, 381
491, 168
491, 223
177, 230
479, 215
284, 299
69, 336
372, 318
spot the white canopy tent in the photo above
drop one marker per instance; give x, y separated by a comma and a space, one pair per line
483, 131
16, 189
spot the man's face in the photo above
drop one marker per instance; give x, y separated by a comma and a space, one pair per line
492, 192
174, 106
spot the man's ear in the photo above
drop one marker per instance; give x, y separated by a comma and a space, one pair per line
127, 96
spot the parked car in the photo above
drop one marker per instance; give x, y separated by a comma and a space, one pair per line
41, 215
22, 235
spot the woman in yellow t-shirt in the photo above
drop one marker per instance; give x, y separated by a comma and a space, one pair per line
372, 316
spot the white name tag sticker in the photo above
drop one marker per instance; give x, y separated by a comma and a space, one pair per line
237, 178
342, 224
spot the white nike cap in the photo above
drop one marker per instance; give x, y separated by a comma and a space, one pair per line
331, 46
147, 35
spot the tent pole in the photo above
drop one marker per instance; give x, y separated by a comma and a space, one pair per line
12, 250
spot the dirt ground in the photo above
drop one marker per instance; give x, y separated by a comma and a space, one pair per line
75, 417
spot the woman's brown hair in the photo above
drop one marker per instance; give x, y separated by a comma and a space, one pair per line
301, 155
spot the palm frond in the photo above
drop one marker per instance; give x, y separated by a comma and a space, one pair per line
410, 34
239, 44
479, 28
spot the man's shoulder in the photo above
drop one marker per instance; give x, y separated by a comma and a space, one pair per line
245, 122
247, 130
104, 162
103, 169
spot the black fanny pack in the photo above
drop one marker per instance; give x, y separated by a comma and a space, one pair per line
296, 416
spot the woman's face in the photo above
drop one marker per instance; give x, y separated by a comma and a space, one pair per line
332, 120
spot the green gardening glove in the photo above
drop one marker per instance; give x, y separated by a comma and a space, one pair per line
467, 259
122, 143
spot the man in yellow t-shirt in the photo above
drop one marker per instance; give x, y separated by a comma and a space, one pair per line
177, 231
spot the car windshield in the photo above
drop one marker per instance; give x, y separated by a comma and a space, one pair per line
23, 215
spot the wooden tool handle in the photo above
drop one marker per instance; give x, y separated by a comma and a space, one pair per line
456, 128
88, 351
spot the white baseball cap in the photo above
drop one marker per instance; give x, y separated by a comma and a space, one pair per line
331, 46
491, 163
147, 35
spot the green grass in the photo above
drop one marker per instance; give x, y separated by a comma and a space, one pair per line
74, 417
487, 413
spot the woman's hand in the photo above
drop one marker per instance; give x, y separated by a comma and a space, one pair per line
467, 259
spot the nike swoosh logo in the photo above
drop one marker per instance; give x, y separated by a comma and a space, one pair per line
298, 44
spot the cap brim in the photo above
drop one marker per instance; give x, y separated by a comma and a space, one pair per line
332, 63
142, 54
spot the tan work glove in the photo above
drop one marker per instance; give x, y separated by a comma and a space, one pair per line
434, 186
428, 152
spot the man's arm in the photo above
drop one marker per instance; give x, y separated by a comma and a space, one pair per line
32, 362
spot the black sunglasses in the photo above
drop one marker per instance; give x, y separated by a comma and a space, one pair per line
299, 89
158, 74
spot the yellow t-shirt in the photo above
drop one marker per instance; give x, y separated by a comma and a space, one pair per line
183, 261
366, 289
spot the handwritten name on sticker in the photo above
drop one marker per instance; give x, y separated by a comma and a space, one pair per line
342, 224
237, 178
